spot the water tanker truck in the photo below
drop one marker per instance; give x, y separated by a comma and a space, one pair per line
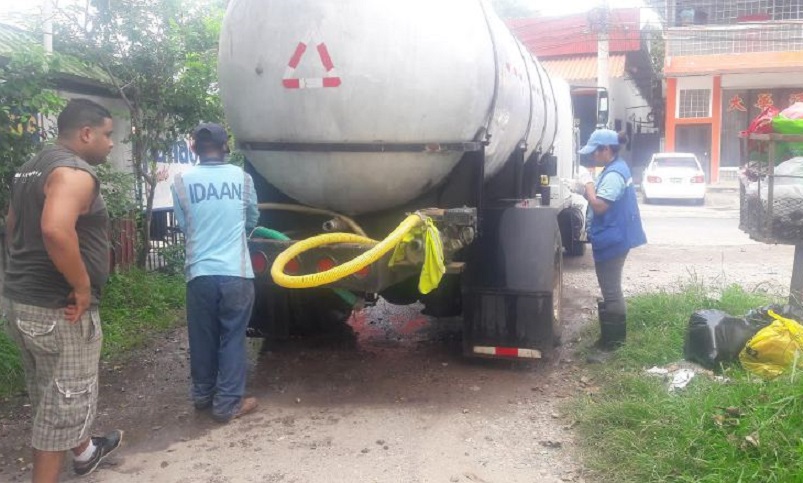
384, 135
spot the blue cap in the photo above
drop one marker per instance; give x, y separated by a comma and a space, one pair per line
210, 133
600, 137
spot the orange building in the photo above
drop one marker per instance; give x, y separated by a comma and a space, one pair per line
725, 61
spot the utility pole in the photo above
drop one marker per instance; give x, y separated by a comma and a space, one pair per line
598, 20
47, 25
603, 47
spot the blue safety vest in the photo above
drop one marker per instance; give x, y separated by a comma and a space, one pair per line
619, 229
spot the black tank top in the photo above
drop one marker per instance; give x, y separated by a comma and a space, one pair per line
31, 277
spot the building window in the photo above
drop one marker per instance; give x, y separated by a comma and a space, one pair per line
694, 103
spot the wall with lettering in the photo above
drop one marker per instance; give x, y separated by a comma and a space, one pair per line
179, 159
740, 106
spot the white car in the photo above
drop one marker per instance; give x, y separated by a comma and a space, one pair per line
675, 176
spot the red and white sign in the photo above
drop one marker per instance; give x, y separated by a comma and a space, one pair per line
331, 78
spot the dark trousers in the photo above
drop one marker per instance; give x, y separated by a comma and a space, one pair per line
609, 276
218, 310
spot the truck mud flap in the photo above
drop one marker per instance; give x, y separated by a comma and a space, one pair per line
509, 306
504, 324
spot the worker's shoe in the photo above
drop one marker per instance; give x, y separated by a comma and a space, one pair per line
104, 445
202, 404
247, 405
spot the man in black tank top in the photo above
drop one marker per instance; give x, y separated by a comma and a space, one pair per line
58, 261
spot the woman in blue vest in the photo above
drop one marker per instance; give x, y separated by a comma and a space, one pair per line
614, 228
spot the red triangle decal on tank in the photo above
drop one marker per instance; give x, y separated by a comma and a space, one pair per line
331, 79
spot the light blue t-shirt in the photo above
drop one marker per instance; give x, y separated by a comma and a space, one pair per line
216, 207
610, 187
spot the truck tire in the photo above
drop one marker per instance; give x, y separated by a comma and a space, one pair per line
570, 223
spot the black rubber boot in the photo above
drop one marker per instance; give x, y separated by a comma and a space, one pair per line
613, 332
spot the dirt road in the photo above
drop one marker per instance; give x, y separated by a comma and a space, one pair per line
396, 403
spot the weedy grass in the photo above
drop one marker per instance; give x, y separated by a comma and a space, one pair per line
741, 430
136, 305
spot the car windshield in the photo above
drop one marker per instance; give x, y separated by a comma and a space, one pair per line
675, 163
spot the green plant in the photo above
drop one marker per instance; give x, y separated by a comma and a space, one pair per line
26, 99
118, 191
173, 256
161, 58
11, 375
634, 430
136, 305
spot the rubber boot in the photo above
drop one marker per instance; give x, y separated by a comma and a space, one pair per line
613, 332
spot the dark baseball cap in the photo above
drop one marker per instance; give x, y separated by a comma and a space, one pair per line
210, 133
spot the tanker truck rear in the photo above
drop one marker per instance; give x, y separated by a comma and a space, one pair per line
355, 114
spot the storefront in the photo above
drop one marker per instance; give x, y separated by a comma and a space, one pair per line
706, 113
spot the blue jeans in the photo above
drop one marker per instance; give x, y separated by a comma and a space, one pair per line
218, 310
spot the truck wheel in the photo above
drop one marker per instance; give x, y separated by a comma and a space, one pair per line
570, 223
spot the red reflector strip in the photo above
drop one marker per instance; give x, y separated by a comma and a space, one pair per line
299, 52
331, 81
326, 60
507, 352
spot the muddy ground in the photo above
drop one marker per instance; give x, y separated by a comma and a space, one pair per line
397, 402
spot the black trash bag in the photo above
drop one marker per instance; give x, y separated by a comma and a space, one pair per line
761, 316
714, 337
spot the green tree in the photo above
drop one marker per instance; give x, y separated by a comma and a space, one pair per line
161, 58
513, 8
26, 99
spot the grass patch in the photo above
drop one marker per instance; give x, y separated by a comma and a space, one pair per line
741, 431
11, 377
135, 306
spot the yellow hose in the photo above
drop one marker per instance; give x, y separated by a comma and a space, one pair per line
340, 271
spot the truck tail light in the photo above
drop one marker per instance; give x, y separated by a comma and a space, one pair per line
292, 267
698, 179
364, 272
324, 264
259, 262
654, 179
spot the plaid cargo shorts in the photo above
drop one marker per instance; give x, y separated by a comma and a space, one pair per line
61, 371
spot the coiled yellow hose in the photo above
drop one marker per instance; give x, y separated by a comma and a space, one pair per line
345, 269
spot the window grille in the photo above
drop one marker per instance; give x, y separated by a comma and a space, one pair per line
694, 103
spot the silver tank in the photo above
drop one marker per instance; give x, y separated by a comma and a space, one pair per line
377, 71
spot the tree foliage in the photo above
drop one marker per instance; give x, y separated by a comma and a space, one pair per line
161, 59
26, 99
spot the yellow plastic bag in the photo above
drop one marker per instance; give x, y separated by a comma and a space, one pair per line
775, 349
433, 268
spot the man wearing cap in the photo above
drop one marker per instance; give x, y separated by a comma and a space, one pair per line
614, 228
216, 206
